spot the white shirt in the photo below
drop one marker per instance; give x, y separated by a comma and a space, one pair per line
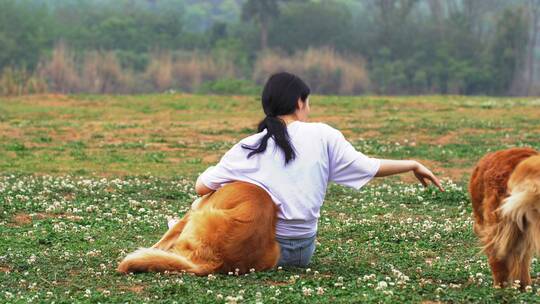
298, 188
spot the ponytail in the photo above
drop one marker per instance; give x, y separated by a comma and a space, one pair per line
279, 97
277, 129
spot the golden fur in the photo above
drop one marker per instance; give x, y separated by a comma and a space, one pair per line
505, 193
230, 230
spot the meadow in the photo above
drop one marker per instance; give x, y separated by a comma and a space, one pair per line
85, 179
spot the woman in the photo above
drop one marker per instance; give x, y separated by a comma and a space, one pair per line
294, 161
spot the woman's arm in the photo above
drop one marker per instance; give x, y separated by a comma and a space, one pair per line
391, 167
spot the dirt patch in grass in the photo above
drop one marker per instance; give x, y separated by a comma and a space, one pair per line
163, 147
446, 139
277, 283
50, 99
10, 132
368, 134
133, 288
5, 269
22, 219
455, 174
58, 215
212, 158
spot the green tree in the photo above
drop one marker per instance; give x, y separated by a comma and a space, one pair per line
262, 12
302, 25
508, 51
25, 30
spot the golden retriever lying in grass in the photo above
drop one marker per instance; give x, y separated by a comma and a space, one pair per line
230, 230
505, 193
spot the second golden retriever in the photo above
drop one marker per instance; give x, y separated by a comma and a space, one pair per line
505, 193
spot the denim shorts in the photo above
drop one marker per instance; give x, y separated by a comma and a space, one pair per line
296, 252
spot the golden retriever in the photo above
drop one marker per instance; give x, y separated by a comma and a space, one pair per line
230, 230
505, 194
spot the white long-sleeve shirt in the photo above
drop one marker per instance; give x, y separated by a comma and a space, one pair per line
298, 189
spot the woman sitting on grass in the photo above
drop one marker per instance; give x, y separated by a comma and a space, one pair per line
294, 160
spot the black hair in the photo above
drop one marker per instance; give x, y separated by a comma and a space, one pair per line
279, 97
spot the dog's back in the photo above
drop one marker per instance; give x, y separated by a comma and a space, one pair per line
502, 210
238, 223
233, 229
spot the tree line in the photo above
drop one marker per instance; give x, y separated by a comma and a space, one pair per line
341, 46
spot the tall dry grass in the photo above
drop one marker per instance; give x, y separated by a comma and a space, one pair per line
191, 71
185, 71
93, 72
20, 82
102, 73
159, 70
326, 71
60, 70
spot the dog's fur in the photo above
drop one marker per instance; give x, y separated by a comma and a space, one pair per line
230, 230
505, 193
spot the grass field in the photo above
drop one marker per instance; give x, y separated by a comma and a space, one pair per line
86, 179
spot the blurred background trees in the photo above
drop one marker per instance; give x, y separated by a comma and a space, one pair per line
231, 46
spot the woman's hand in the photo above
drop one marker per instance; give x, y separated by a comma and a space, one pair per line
424, 175
391, 167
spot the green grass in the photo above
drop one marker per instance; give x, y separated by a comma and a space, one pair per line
86, 179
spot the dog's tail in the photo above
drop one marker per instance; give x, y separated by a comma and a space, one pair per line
156, 260
522, 208
523, 204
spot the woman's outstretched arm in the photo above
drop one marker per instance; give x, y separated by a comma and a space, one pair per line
391, 167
